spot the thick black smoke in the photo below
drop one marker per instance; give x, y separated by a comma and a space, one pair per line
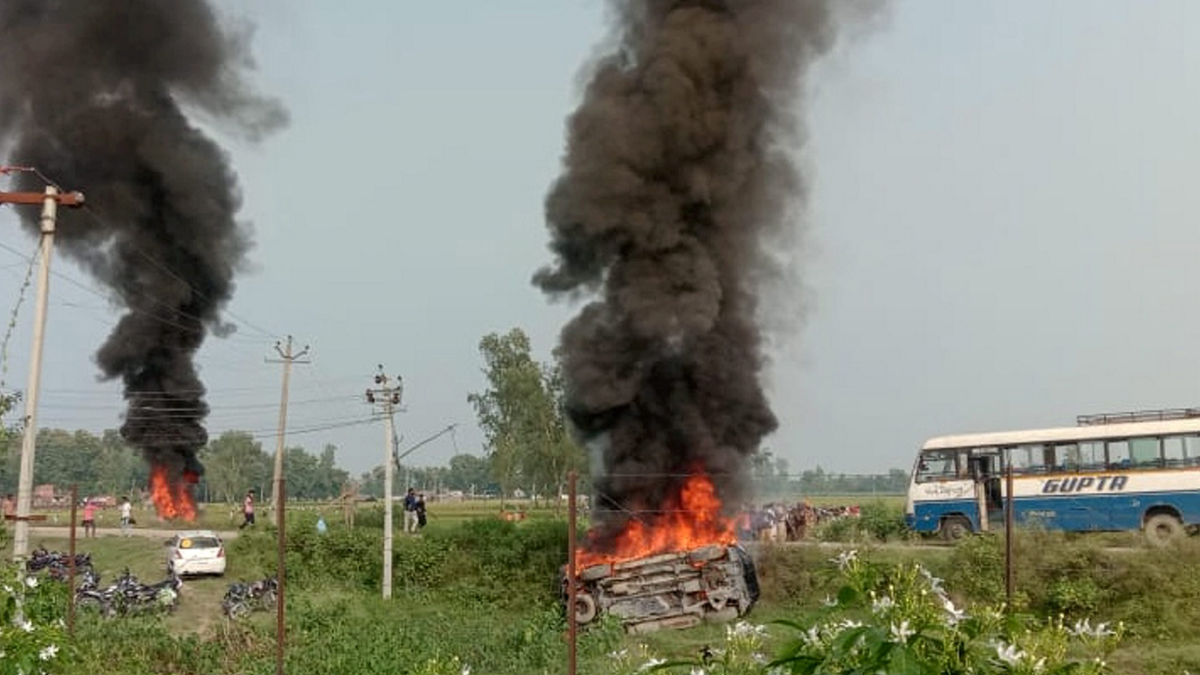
92, 93
679, 174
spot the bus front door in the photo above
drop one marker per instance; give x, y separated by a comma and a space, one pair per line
985, 470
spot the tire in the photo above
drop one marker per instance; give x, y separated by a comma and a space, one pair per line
269, 598
239, 610
1163, 528
585, 608
954, 528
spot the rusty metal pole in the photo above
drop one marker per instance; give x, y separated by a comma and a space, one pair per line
571, 627
71, 565
1009, 581
280, 502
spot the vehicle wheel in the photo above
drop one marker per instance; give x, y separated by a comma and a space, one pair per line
955, 528
1163, 528
585, 608
88, 604
269, 599
239, 610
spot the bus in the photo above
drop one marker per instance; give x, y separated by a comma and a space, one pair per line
1110, 472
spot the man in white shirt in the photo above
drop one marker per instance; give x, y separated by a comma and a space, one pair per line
126, 516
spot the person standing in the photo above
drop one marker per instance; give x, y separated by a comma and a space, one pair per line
89, 518
410, 511
247, 509
420, 509
126, 516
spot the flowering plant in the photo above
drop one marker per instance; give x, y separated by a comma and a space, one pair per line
900, 620
31, 626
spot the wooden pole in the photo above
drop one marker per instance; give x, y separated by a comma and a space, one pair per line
280, 501
571, 627
1009, 580
71, 564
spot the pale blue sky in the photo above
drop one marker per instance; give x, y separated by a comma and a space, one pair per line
1002, 231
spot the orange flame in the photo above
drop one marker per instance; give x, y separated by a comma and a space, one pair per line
691, 521
172, 499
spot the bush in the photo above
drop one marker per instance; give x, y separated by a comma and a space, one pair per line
877, 521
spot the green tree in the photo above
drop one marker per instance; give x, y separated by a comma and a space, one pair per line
521, 415
235, 462
467, 473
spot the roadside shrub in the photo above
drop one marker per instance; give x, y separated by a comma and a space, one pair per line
877, 521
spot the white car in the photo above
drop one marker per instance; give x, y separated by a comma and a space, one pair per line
196, 552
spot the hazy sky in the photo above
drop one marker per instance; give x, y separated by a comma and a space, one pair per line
1002, 231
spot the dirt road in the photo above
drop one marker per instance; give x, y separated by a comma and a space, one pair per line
61, 532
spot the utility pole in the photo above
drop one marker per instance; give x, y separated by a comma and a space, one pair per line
387, 397
49, 201
287, 358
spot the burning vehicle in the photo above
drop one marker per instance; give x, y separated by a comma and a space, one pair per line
676, 569
680, 589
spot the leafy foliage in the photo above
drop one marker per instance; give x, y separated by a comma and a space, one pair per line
521, 416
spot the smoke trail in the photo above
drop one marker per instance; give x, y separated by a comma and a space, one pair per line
92, 92
677, 177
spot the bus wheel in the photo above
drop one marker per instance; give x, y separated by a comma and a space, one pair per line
1162, 529
955, 528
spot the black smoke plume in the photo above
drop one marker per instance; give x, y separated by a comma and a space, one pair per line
93, 93
678, 177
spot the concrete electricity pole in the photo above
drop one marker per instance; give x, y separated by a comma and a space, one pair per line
49, 201
388, 398
287, 358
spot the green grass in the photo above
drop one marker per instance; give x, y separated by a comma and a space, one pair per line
484, 592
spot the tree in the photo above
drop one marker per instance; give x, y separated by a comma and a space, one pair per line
467, 473
521, 416
235, 462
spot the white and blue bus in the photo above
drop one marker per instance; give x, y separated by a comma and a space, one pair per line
1113, 472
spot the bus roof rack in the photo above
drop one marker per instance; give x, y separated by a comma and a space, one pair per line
1137, 416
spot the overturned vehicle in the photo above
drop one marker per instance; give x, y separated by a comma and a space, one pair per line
714, 583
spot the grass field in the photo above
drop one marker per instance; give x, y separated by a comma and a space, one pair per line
475, 588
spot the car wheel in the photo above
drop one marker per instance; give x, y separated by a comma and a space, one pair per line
585, 608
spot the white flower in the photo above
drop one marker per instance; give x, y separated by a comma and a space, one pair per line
902, 632
466, 670
845, 559
8, 589
829, 602
953, 614
882, 604
1039, 665
650, 664
1084, 629
745, 629
618, 654
1009, 653
846, 624
934, 582
698, 671
811, 637
26, 626
31, 582
48, 652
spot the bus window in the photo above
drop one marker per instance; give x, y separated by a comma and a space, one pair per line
1091, 455
1144, 452
1066, 457
1028, 459
937, 465
1118, 454
1191, 450
1173, 451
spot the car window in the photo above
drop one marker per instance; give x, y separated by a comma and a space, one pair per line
199, 542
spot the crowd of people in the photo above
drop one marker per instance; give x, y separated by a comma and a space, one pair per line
779, 522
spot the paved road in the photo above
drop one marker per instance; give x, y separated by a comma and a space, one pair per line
150, 533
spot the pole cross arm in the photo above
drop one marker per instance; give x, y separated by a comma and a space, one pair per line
73, 199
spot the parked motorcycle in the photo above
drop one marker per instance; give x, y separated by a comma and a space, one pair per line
57, 564
241, 599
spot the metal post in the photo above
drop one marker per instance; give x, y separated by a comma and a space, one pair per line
1009, 562
388, 472
281, 575
571, 627
71, 565
28, 441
